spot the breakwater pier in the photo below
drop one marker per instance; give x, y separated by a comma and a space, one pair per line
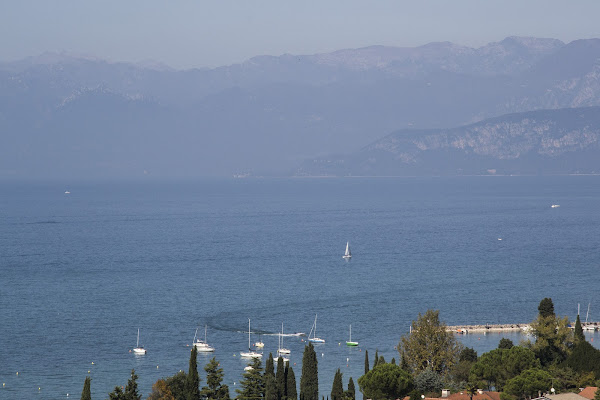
525, 327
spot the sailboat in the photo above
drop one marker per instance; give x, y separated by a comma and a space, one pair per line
313, 332
349, 342
201, 345
281, 349
587, 327
250, 353
259, 344
347, 255
138, 349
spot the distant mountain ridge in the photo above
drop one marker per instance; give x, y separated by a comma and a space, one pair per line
268, 114
564, 141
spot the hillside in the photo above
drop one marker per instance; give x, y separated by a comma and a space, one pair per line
564, 141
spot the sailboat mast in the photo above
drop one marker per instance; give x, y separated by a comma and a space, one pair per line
350, 332
588, 313
138, 339
248, 334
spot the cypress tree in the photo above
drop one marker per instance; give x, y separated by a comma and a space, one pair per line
193, 379
393, 361
131, 390
381, 360
376, 360
270, 366
269, 379
366, 361
291, 391
351, 392
309, 381
546, 308
214, 389
280, 378
252, 384
578, 330
86, 392
337, 389
404, 363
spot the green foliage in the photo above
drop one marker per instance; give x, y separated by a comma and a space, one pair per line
584, 358
86, 392
404, 363
429, 345
386, 381
193, 379
117, 394
177, 385
428, 381
351, 392
252, 384
471, 390
270, 365
280, 379
160, 391
291, 390
269, 379
505, 343
393, 361
381, 360
496, 367
309, 381
376, 359
214, 389
597, 394
546, 308
131, 390
578, 330
366, 361
528, 383
337, 389
468, 354
553, 339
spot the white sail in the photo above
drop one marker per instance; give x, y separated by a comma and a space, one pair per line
347, 254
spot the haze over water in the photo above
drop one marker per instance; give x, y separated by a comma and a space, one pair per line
81, 272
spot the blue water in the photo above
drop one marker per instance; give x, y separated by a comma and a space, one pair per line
80, 273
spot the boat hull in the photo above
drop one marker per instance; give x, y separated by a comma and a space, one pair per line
352, 344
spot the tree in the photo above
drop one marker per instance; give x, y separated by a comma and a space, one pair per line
468, 354
280, 378
597, 394
117, 394
578, 330
546, 308
160, 391
337, 389
553, 336
193, 379
429, 345
252, 383
214, 389
471, 390
292, 392
131, 390
505, 343
376, 359
381, 360
386, 381
528, 383
309, 381
86, 392
495, 367
584, 358
351, 392
404, 363
177, 385
428, 381
366, 361
269, 379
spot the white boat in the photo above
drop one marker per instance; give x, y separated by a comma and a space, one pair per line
67, 192
349, 342
250, 353
555, 205
201, 345
259, 344
282, 350
248, 368
347, 255
313, 332
139, 349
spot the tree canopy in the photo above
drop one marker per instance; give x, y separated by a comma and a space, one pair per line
252, 383
385, 381
495, 367
309, 381
429, 345
529, 383
214, 389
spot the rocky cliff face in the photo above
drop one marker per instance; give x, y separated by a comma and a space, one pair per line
561, 141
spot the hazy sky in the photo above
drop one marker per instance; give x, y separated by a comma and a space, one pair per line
194, 33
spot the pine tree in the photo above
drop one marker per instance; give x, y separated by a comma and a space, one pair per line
280, 378
291, 390
117, 394
86, 392
366, 361
193, 379
309, 381
214, 389
337, 389
578, 330
131, 390
351, 392
252, 384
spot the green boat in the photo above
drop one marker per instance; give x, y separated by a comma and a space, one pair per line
350, 342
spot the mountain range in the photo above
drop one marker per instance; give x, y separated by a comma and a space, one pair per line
71, 116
